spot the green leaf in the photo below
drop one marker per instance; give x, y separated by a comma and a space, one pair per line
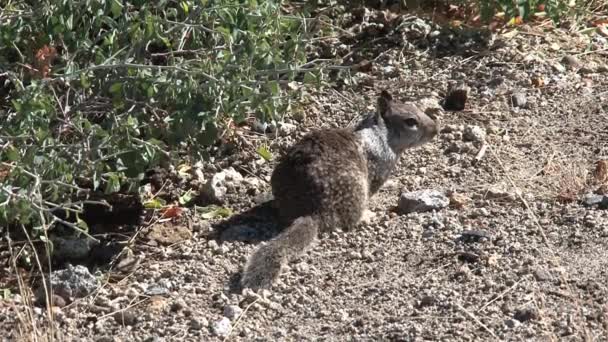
6, 294
116, 88
185, 198
116, 8
214, 211
82, 225
274, 87
12, 154
84, 81
155, 203
113, 184
185, 7
264, 152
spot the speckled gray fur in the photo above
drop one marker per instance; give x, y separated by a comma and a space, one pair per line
324, 181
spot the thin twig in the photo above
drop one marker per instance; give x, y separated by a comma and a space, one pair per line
481, 153
473, 317
501, 295
135, 66
239, 319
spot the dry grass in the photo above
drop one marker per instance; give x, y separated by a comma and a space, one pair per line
567, 180
30, 326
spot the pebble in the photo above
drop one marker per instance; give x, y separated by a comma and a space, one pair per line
104, 339
198, 323
474, 236
512, 323
526, 314
178, 305
592, 199
222, 327
232, 311
541, 274
126, 317
217, 187
71, 282
558, 67
571, 61
474, 133
423, 200
157, 290
519, 100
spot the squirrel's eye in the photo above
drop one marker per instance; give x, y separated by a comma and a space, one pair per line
410, 122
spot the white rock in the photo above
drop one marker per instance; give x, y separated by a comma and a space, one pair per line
423, 200
216, 188
221, 327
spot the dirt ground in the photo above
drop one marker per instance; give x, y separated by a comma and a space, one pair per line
515, 257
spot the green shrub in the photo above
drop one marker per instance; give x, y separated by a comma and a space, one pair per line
103, 90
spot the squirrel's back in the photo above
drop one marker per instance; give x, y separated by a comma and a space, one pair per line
323, 175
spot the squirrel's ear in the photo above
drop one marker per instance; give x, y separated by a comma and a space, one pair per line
384, 102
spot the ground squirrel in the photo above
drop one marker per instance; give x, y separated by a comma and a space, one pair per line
324, 181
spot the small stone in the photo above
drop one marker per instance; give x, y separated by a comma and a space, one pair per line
571, 61
125, 317
452, 128
216, 187
253, 182
591, 199
526, 314
589, 68
426, 301
519, 100
558, 67
232, 311
157, 304
222, 327
71, 282
454, 147
286, 129
430, 106
458, 201
474, 133
213, 245
456, 98
541, 274
423, 200
602, 68
157, 290
58, 301
555, 47
178, 305
512, 323
104, 339
355, 255
474, 236
198, 323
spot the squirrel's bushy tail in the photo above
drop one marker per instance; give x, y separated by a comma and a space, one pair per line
265, 265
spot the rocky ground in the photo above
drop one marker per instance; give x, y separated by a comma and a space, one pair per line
516, 247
